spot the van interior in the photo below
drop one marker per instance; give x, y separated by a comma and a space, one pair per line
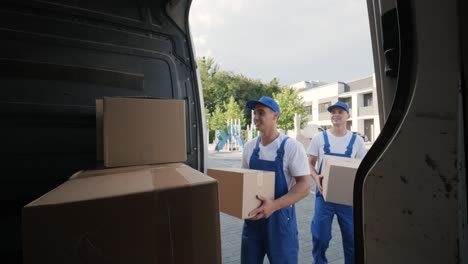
58, 56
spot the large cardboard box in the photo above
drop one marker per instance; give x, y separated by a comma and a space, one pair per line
238, 189
153, 214
338, 179
140, 130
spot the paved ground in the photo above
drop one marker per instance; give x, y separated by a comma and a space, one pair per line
231, 227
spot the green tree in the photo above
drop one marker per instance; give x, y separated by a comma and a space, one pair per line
217, 119
207, 115
219, 86
208, 70
290, 102
211, 133
207, 67
233, 111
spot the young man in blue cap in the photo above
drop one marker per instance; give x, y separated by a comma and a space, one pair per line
337, 141
272, 228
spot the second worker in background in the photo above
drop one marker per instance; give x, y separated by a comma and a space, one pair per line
337, 141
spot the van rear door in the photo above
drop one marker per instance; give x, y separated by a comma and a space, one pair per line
410, 191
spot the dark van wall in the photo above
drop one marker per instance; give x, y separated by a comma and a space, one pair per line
56, 58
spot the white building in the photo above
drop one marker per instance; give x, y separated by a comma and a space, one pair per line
306, 84
359, 94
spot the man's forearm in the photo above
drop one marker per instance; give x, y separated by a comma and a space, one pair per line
314, 173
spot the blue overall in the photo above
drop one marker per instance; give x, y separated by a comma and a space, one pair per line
323, 217
276, 235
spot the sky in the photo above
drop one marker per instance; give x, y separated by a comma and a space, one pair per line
293, 41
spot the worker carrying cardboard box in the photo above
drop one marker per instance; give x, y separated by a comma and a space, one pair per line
337, 141
272, 228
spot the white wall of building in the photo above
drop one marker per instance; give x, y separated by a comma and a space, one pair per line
306, 84
314, 95
359, 113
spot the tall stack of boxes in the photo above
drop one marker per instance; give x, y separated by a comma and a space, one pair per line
143, 206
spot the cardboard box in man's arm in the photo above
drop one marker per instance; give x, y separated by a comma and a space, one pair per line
238, 189
338, 179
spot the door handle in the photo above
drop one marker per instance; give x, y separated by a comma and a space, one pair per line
391, 42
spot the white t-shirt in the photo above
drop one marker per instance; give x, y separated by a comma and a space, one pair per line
295, 162
337, 145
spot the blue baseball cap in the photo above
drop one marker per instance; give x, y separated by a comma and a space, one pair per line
339, 104
266, 101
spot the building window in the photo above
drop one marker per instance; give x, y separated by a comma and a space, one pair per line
323, 107
308, 110
346, 100
347, 88
368, 99
349, 125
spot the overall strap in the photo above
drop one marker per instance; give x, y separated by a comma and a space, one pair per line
280, 151
281, 148
326, 146
255, 155
256, 150
320, 168
281, 185
349, 148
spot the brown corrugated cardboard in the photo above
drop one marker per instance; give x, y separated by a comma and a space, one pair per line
158, 214
238, 189
99, 134
139, 131
338, 179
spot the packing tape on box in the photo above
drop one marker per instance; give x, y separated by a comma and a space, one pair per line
173, 228
259, 179
185, 220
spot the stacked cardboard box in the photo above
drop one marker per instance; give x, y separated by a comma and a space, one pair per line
136, 131
147, 208
338, 179
238, 189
